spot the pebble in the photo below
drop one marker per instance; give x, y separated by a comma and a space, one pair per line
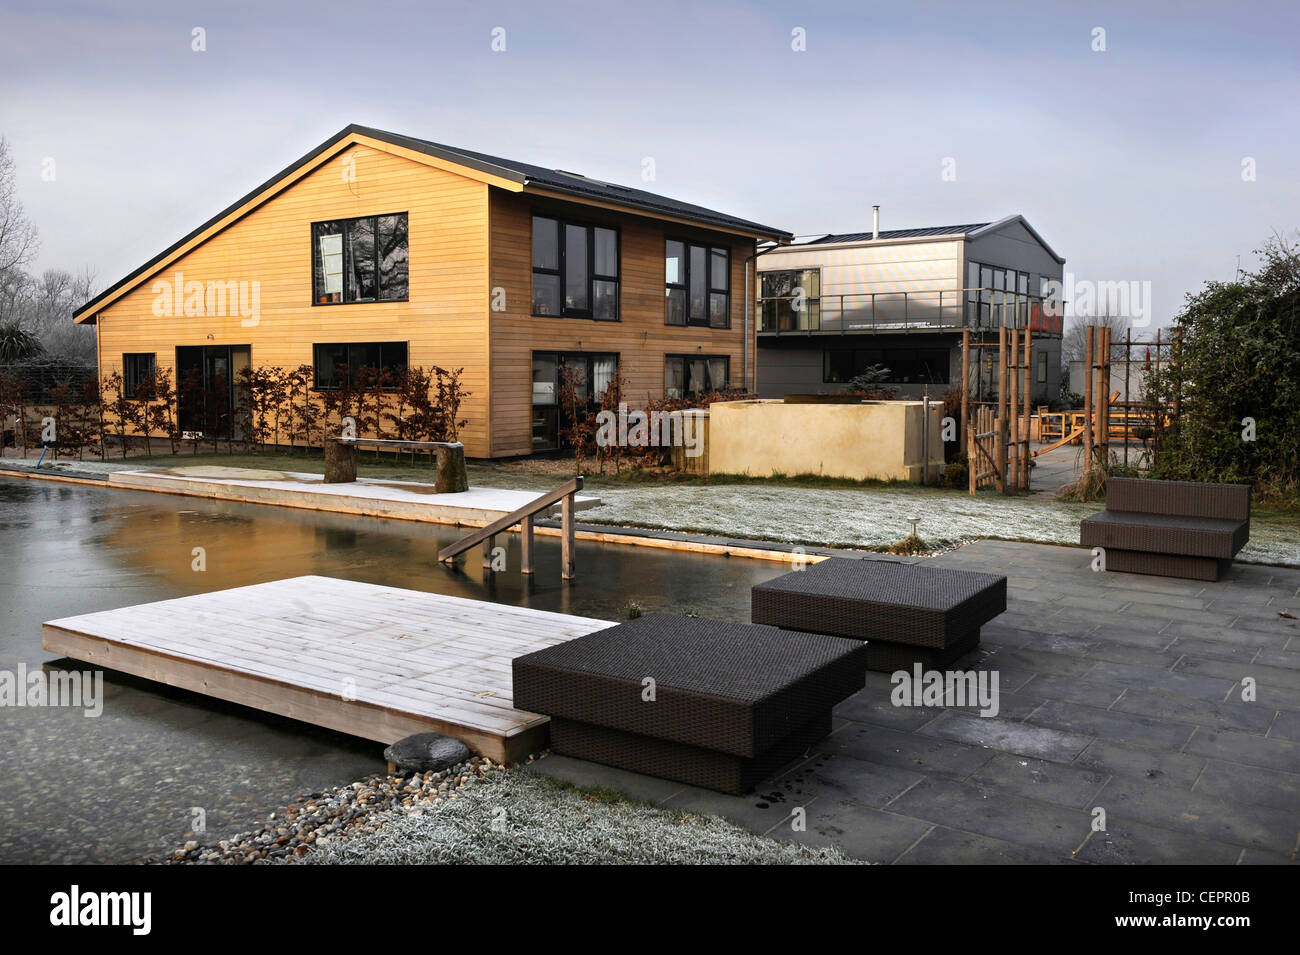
322, 818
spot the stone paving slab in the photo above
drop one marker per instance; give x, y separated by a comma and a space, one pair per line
1118, 691
944, 846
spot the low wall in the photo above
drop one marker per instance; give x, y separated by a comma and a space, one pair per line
875, 439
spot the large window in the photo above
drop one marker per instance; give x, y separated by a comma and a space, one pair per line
360, 260
575, 270
337, 364
697, 280
695, 374
996, 296
791, 300
906, 365
136, 368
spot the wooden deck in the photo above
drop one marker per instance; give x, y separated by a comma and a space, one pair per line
372, 661
404, 500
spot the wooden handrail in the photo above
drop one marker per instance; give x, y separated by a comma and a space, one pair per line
524, 515
394, 443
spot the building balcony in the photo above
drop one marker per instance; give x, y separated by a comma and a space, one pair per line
977, 309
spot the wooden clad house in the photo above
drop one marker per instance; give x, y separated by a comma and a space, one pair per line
382, 250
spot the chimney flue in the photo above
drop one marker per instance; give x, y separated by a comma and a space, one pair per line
875, 222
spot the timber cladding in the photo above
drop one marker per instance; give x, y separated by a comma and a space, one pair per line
640, 336
467, 238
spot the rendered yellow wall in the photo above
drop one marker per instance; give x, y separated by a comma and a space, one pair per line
881, 440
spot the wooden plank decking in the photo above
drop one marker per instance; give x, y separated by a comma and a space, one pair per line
372, 661
404, 500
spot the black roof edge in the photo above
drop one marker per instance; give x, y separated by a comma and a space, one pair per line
407, 142
293, 167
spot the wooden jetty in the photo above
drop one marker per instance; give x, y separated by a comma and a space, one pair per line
372, 661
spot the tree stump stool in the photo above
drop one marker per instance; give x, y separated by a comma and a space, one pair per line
340, 461
451, 477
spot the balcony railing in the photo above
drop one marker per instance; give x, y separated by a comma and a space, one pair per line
946, 310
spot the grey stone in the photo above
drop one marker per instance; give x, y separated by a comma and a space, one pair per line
426, 753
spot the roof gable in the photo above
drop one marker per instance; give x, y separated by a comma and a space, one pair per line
494, 171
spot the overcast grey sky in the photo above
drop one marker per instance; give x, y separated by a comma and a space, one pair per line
1128, 161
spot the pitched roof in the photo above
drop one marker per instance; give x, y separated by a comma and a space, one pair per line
497, 171
900, 233
576, 184
971, 230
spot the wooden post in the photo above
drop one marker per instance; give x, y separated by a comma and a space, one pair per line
1013, 412
1003, 424
965, 392
1128, 399
568, 570
489, 544
1103, 381
526, 545
1029, 397
1087, 398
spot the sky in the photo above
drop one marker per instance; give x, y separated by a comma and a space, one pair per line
1161, 149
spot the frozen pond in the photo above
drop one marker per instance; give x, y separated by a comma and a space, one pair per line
127, 783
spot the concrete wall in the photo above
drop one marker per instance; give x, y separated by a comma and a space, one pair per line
881, 440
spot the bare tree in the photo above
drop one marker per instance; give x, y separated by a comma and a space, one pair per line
18, 238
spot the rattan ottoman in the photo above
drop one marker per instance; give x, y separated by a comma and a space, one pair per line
712, 704
907, 613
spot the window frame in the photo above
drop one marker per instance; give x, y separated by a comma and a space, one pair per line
710, 288
812, 303
560, 271
342, 222
686, 358
131, 384
919, 351
315, 364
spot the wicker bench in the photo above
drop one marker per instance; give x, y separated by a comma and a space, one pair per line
1170, 528
732, 703
907, 613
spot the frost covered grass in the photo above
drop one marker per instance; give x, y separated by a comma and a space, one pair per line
876, 518
515, 817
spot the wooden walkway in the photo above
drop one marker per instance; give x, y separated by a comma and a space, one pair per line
375, 662
404, 500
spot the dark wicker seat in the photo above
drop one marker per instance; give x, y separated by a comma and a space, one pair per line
732, 702
1170, 528
907, 613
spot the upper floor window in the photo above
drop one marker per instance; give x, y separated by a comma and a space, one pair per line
791, 300
575, 270
698, 282
360, 260
136, 367
996, 296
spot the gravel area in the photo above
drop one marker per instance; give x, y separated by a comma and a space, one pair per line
482, 813
346, 812
516, 817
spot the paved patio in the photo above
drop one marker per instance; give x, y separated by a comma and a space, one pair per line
1118, 692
